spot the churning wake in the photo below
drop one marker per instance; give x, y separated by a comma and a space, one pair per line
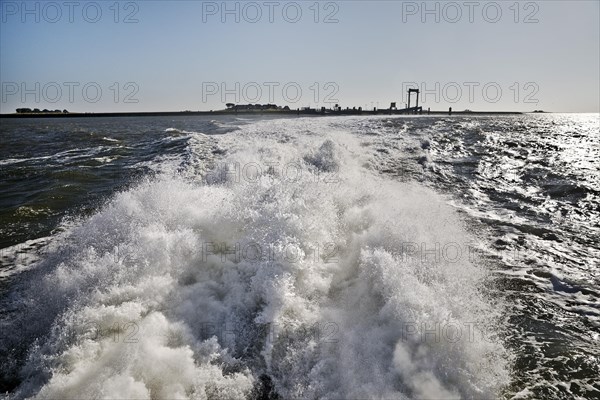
271, 261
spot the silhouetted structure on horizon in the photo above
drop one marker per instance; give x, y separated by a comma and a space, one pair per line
417, 109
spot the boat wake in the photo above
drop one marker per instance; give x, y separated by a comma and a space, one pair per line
287, 267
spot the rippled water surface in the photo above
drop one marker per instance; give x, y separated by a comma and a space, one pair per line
334, 257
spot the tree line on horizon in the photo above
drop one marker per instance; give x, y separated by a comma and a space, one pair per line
38, 111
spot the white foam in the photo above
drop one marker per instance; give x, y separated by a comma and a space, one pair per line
151, 305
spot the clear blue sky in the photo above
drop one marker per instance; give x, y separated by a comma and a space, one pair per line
180, 55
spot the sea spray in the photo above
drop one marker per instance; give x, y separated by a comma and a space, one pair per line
289, 265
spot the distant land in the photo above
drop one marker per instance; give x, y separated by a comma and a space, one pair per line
253, 109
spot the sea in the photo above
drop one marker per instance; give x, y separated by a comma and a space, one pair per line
270, 257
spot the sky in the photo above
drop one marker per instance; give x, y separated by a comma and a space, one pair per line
109, 56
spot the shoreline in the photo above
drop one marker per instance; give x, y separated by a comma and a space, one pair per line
249, 113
